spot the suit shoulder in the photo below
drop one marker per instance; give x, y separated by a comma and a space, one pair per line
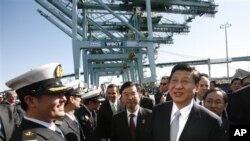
208, 114
145, 110
162, 106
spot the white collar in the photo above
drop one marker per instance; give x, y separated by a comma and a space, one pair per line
73, 118
50, 126
184, 111
135, 113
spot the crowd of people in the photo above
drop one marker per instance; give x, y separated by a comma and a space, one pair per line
186, 107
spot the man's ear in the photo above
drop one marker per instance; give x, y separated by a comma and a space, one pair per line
30, 100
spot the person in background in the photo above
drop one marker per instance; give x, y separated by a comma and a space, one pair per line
182, 118
42, 96
10, 97
146, 101
213, 84
103, 90
134, 123
110, 107
87, 115
11, 114
235, 84
216, 100
69, 124
204, 86
163, 96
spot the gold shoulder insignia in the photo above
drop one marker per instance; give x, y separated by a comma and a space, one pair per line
29, 135
59, 71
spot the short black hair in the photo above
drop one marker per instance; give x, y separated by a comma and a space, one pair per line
130, 84
235, 79
110, 86
186, 67
224, 94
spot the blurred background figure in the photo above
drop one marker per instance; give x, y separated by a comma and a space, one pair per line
163, 96
10, 97
235, 85
87, 115
146, 101
204, 86
213, 84
103, 90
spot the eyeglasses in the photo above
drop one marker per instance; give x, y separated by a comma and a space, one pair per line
210, 102
163, 83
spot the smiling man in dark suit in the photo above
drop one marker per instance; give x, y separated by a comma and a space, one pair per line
134, 123
110, 107
194, 122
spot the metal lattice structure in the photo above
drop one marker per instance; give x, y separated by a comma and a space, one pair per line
117, 37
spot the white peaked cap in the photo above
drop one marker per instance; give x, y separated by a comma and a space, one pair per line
44, 78
93, 95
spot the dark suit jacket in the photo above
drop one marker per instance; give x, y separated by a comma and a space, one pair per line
9, 120
147, 102
71, 131
202, 125
104, 119
120, 127
159, 95
29, 130
225, 127
84, 118
238, 106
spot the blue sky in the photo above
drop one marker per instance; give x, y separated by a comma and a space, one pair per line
28, 40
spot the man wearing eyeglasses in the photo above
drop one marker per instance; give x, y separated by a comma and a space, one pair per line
163, 96
216, 100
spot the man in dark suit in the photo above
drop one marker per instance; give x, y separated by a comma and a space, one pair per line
163, 96
86, 114
69, 124
133, 124
238, 106
110, 107
182, 119
216, 100
41, 93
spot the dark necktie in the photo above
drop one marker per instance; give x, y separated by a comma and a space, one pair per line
174, 127
132, 127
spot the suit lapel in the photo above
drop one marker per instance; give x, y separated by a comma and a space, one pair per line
190, 124
124, 125
167, 117
71, 124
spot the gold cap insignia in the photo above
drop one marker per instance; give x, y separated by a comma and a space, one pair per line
59, 71
28, 133
57, 89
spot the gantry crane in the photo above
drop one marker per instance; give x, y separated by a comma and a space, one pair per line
117, 37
